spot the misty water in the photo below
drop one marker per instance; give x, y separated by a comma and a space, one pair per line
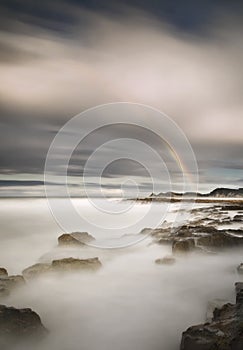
130, 303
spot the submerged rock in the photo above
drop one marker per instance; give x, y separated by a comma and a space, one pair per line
238, 218
75, 238
65, 264
167, 260
36, 270
17, 325
240, 269
8, 283
220, 240
183, 246
224, 332
76, 264
3, 272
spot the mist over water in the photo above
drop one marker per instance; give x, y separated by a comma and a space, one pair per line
130, 303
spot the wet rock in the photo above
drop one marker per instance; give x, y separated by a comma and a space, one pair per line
192, 231
219, 239
239, 295
167, 260
8, 283
212, 306
238, 218
65, 264
17, 325
36, 270
75, 238
4, 292
224, 332
240, 269
183, 246
165, 241
233, 207
76, 264
146, 231
3, 272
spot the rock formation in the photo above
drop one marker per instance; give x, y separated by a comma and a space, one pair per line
19, 325
66, 264
75, 238
8, 283
224, 332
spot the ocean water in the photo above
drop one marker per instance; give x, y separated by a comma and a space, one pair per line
130, 303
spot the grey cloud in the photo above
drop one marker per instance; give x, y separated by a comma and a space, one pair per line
137, 59
52, 71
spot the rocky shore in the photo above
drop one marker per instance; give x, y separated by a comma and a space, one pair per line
224, 332
210, 231
18, 326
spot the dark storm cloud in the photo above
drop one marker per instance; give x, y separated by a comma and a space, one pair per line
58, 15
60, 57
20, 183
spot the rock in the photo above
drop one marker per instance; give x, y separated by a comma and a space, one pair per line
17, 325
4, 292
167, 260
240, 269
36, 270
239, 293
219, 240
76, 264
75, 238
66, 264
3, 272
233, 207
183, 246
189, 230
223, 332
212, 306
165, 241
238, 218
146, 231
8, 283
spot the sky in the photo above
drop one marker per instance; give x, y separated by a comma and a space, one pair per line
59, 58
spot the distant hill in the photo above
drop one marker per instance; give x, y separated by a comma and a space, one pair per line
217, 193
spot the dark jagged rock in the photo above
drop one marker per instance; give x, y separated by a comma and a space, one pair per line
224, 332
75, 238
36, 270
212, 306
208, 237
3, 272
18, 325
76, 264
165, 240
196, 237
238, 218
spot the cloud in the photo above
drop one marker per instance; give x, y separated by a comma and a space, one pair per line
55, 67
137, 59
